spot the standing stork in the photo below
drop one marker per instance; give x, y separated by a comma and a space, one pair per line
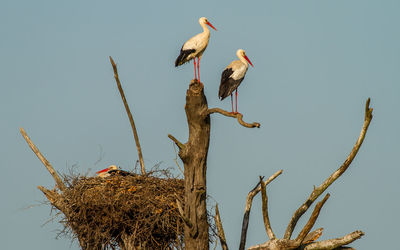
232, 76
195, 46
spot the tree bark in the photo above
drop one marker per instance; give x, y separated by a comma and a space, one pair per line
194, 157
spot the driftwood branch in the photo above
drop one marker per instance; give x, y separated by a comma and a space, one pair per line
249, 201
128, 111
320, 189
264, 198
313, 236
179, 144
239, 117
335, 243
307, 228
220, 229
45, 162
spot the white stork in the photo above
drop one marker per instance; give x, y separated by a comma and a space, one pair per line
195, 46
232, 76
113, 170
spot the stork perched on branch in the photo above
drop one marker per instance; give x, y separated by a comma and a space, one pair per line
233, 75
195, 46
111, 171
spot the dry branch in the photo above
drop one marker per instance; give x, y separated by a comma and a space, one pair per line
239, 117
335, 243
221, 233
45, 162
264, 198
179, 144
128, 111
307, 228
249, 202
320, 189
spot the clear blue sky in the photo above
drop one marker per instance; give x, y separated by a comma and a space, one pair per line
316, 63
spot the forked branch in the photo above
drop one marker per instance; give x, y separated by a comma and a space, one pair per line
249, 202
239, 117
128, 111
320, 189
45, 162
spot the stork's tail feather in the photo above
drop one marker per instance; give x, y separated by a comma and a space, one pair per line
182, 58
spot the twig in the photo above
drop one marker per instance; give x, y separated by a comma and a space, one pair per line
307, 228
178, 143
334, 243
239, 117
320, 189
121, 91
249, 201
45, 162
220, 229
264, 199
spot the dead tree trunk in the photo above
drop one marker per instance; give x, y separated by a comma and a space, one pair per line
194, 157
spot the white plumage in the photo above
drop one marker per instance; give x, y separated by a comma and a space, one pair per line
233, 75
195, 47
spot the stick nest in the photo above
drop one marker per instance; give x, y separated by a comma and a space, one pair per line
111, 210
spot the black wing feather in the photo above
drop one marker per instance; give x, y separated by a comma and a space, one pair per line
228, 84
182, 58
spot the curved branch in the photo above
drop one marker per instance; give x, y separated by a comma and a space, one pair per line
43, 159
335, 243
320, 189
128, 111
264, 198
239, 117
249, 201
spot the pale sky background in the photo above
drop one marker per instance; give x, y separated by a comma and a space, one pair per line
316, 63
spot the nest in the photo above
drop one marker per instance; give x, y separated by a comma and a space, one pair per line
140, 209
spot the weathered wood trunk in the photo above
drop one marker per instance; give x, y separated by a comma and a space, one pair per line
194, 157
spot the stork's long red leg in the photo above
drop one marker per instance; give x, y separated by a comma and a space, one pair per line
236, 99
232, 102
198, 67
194, 63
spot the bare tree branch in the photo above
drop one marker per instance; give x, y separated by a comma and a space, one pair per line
220, 229
264, 199
307, 228
128, 111
45, 162
320, 189
335, 243
239, 117
249, 201
179, 144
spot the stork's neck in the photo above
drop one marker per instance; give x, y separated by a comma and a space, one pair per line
205, 28
243, 60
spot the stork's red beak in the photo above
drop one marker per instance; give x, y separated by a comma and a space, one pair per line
245, 57
102, 171
209, 24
